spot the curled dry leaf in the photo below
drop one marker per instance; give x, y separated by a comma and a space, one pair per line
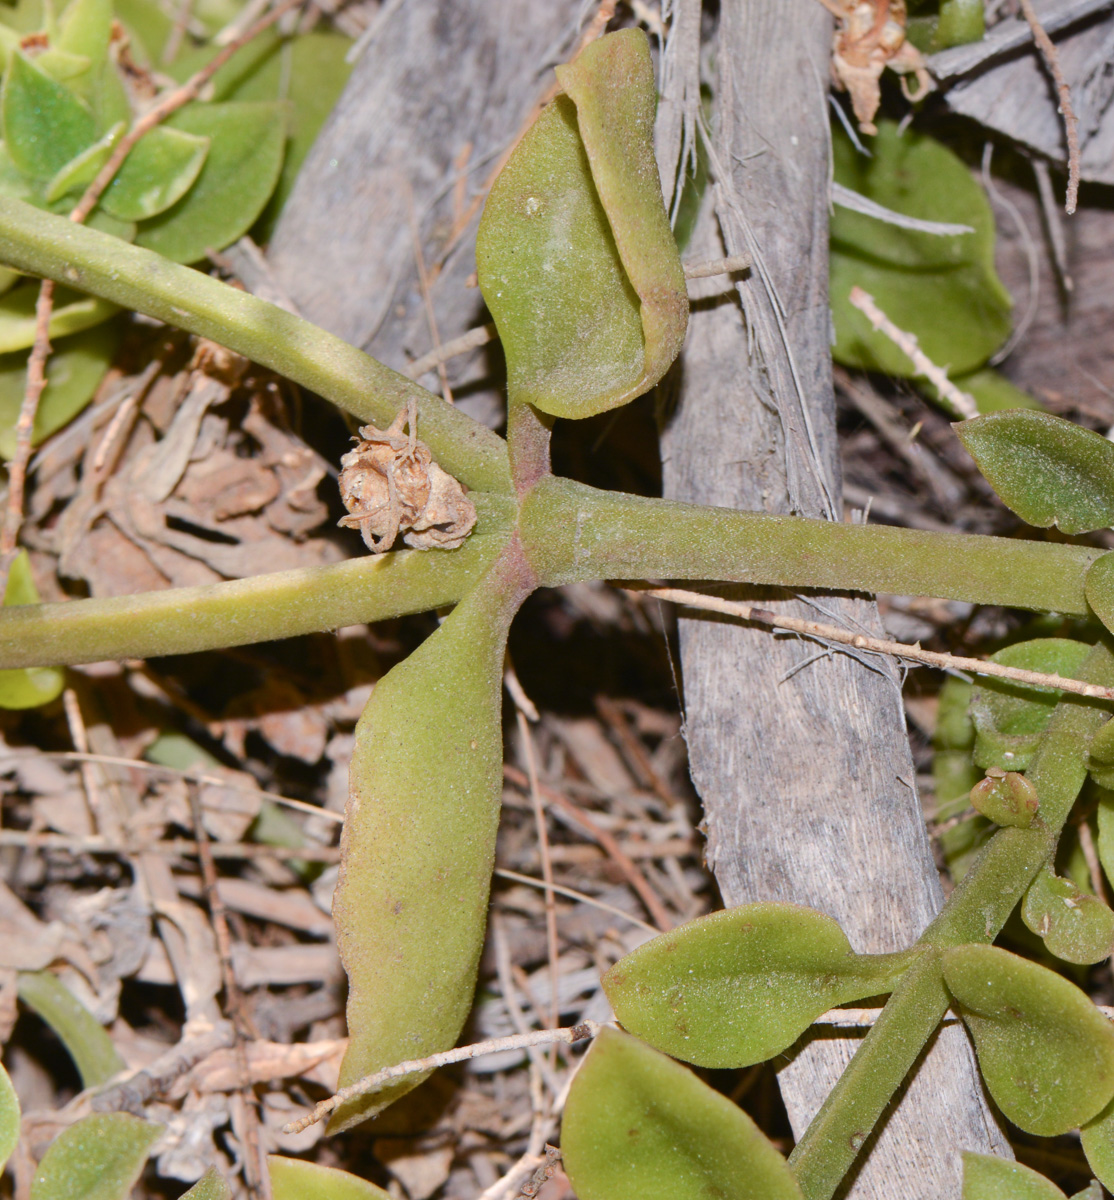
869, 38
390, 485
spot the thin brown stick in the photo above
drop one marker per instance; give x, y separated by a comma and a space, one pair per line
256, 1175
634, 876
1094, 866
517, 1041
844, 637
168, 848
168, 104
906, 342
1051, 58
552, 948
24, 430
718, 266
427, 297
573, 894
471, 340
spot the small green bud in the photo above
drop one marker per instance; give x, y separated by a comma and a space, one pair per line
1006, 798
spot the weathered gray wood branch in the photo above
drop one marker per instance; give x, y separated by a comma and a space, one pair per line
802, 761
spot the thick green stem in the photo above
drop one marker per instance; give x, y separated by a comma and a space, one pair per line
281, 605
975, 912
573, 533
44, 244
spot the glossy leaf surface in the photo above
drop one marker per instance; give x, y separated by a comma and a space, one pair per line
294, 1179
99, 1158
986, 1177
240, 171
9, 1117
1075, 925
74, 370
639, 1124
575, 257
1097, 1137
85, 1039
45, 125
1047, 470
156, 174
739, 986
1046, 1053
27, 687
419, 842
211, 1186
944, 290
1009, 718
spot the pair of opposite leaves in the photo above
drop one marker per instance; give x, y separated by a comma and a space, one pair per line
740, 986
580, 271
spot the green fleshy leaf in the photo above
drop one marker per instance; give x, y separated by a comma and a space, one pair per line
109, 99
1099, 590
739, 986
639, 1124
1006, 798
86, 28
79, 1031
73, 312
1105, 839
1075, 925
63, 67
1047, 470
211, 1186
160, 170
574, 253
992, 391
45, 124
79, 172
73, 374
27, 687
419, 844
1046, 1053
9, 1118
99, 1158
12, 180
24, 16
944, 290
988, 1178
240, 172
1100, 761
1010, 718
294, 1179
148, 28
961, 21
1097, 1137
1093, 1191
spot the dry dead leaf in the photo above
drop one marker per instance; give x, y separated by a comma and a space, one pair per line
869, 38
390, 485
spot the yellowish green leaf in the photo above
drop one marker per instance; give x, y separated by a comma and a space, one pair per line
99, 1158
84, 1037
1046, 1052
419, 841
294, 1179
45, 124
739, 986
1075, 925
27, 687
575, 257
988, 1178
160, 170
639, 1124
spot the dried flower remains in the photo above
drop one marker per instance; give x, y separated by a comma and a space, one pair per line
390, 485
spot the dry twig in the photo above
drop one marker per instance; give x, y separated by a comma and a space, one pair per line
963, 404
859, 641
1051, 57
